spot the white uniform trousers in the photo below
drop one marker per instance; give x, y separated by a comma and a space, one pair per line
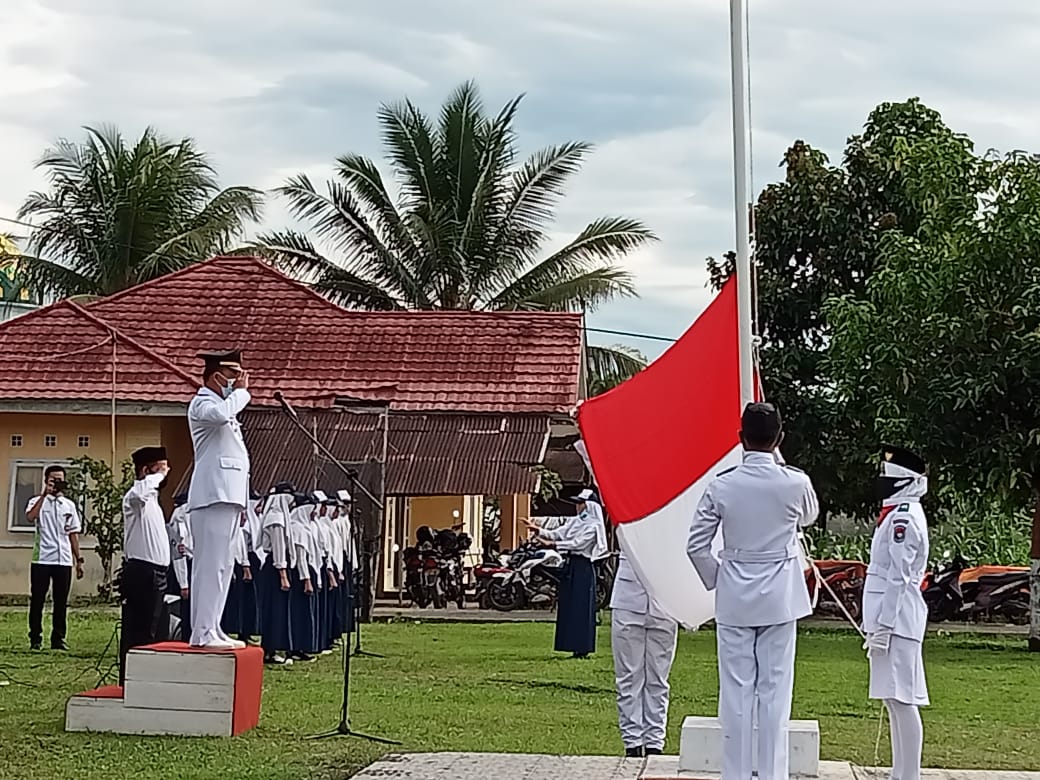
213, 528
755, 660
644, 648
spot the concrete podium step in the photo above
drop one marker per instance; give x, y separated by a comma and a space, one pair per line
174, 689
700, 746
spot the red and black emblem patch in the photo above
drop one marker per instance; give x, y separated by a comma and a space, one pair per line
899, 533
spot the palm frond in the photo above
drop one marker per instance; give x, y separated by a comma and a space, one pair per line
607, 367
603, 240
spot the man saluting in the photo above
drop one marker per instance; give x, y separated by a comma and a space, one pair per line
760, 591
218, 493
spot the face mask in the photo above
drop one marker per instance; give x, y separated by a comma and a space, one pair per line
886, 487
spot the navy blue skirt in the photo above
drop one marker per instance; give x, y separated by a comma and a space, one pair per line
576, 610
274, 611
303, 615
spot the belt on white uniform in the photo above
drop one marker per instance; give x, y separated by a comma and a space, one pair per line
759, 556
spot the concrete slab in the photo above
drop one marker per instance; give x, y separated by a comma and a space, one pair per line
515, 766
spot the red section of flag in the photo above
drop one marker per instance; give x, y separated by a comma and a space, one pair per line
652, 437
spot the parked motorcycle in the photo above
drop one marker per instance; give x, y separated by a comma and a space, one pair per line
845, 579
451, 548
530, 577
422, 567
959, 591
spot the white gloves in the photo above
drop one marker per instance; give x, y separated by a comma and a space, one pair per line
877, 643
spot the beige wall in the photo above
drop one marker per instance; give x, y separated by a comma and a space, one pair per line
16, 546
513, 530
434, 511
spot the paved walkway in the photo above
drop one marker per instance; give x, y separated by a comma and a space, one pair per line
502, 766
385, 610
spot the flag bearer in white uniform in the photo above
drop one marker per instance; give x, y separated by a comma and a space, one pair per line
894, 612
218, 493
760, 591
643, 640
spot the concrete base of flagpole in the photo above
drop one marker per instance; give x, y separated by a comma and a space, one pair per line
700, 747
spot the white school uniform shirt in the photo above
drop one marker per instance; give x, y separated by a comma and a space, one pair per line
578, 536
892, 598
335, 542
57, 519
145, 537
221, 472
761, 506
181, 544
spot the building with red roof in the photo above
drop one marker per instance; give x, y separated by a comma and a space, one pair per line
436, 409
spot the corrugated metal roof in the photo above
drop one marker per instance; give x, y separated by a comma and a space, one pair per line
427, 454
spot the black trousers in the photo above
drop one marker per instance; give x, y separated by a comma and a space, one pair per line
146, 619
41, 575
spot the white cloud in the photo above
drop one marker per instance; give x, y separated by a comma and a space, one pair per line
270, 89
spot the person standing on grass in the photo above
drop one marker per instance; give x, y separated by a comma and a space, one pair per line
760, 591
895, 615
55, 554
146, 556
643, 640
584, 540
179, 577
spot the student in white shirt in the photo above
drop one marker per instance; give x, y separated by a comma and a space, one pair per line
55, 552
146, 556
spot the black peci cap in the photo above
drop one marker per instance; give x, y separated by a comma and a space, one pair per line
761, 422
146, 456
221, 358
900, 456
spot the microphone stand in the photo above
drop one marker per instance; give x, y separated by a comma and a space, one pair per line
343, 728
361, 574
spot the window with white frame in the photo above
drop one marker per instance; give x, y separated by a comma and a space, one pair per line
16, 440
83, 442
50, 440
26, 482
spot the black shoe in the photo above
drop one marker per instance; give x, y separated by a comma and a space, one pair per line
61, 645
652, 751
580, 656
303, 657
35, 646
634, 752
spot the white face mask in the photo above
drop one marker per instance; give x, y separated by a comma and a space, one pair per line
228, 388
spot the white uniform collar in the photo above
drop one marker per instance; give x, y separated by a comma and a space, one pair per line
759, 457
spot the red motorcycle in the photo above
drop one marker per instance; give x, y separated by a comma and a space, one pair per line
845, 579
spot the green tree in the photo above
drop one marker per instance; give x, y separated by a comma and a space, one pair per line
116, 214
469, 228
99, 494
817, 234
943, 351
609, 367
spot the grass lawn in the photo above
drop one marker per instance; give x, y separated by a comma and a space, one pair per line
499, 688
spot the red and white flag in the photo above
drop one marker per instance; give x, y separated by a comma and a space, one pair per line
654, 442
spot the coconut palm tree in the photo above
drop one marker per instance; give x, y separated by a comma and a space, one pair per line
469, 228
116, 215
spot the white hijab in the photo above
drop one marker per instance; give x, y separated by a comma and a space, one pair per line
276, 515
306, 535
594, 515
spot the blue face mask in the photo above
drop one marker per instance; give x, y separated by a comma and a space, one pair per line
228, 388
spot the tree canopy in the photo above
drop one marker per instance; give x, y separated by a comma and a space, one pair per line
469, 228
116, 214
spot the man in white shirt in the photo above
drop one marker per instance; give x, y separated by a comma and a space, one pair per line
218, 493
55, 552
146, 556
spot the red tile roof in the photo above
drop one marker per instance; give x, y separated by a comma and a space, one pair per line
63, 352
295, 341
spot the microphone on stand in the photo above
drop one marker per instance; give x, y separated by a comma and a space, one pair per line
286, 406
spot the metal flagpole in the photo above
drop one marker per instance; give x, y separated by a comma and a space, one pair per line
741, 196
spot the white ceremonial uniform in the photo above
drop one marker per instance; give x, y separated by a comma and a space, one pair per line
894, 605
643, 640
760, 594
218, 493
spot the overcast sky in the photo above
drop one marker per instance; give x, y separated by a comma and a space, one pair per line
273, 88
